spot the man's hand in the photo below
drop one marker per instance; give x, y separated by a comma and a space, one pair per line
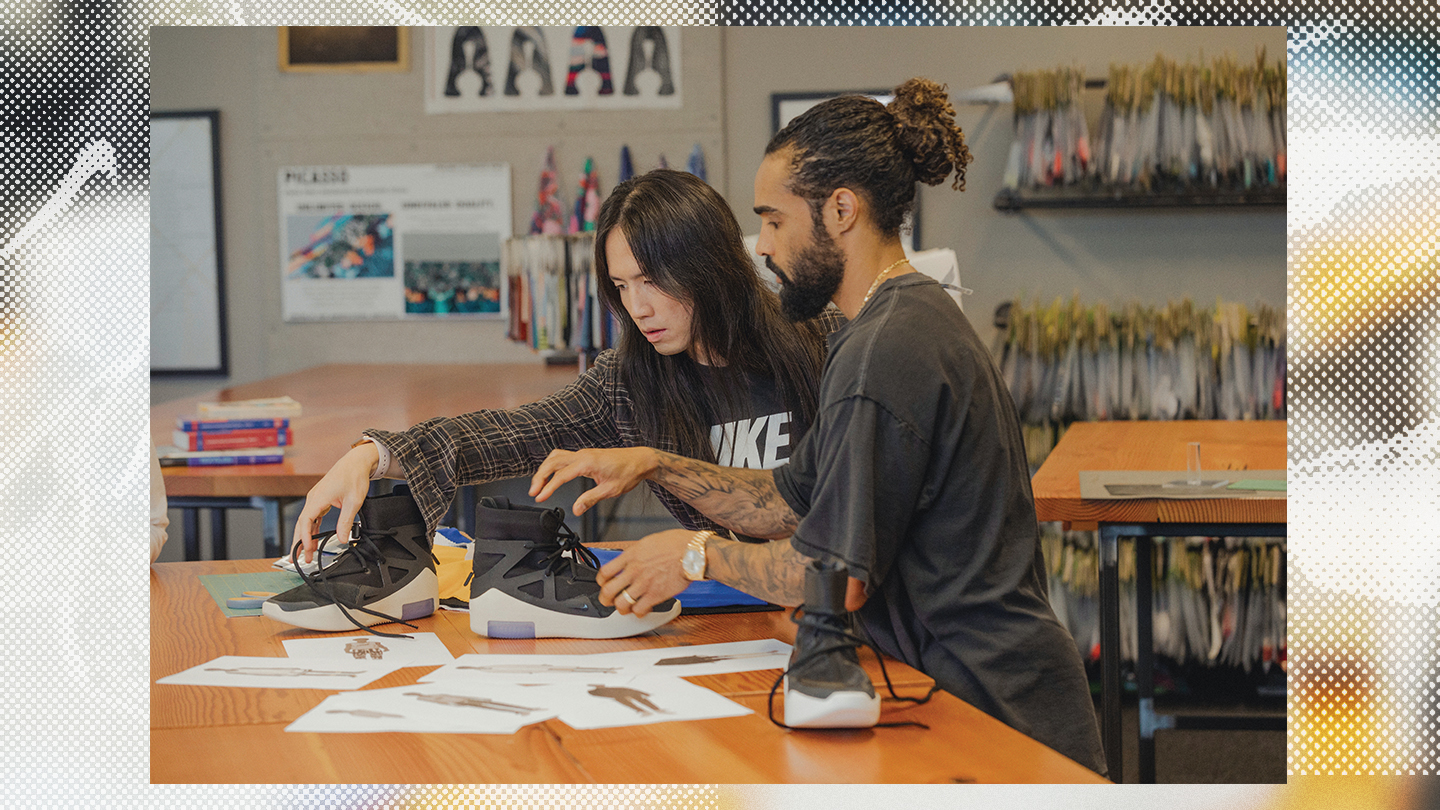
648, 571
345, 486
615, 472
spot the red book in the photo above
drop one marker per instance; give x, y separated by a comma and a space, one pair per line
232, 440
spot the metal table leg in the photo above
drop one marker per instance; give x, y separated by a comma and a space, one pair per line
1150, 720
1110, 651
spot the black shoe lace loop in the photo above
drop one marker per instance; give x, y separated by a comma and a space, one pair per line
370, 556
580, 557
840, 639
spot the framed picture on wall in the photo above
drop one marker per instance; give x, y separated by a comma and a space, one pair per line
187, 249
344, 48
784, 107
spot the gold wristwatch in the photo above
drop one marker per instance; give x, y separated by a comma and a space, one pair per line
694, 560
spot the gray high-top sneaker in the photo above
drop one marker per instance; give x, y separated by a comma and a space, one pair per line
825, 686
532, 578
386, 575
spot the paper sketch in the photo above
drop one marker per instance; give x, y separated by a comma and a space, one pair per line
530, 669
421, 649
705, 659
450, 708
281, 673
626, 696
641, 701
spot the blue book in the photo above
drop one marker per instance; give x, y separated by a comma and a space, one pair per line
224, 425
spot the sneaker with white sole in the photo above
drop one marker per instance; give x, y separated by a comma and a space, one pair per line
532, 578
825, 686
387, 574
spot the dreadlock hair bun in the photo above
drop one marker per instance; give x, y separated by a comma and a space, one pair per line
926, 131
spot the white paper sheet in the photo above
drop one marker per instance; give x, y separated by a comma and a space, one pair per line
445, 708
422, 649
281, 673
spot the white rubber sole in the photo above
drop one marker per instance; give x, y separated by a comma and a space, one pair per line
496, 614
416, 600
839, 710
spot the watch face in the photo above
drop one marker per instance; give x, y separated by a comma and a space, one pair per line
692, 562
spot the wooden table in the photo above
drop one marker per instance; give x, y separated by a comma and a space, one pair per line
212, 734
1153, 446
339, 401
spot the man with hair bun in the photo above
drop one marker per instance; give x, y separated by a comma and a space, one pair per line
908, 501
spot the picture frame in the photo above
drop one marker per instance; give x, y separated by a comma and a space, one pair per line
785, 107
344, 48
188, 335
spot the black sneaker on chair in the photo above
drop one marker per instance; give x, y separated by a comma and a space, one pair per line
532, 578
386, 575
825, 686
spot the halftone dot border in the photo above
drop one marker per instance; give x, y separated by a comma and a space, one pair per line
1362, 135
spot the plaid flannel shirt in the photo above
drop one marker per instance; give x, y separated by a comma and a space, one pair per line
441, 455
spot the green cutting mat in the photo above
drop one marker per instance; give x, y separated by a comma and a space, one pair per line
224, 586
1260, 484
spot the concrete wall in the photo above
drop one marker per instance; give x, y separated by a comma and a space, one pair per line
270, 119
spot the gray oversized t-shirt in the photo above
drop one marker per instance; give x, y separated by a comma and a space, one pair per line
914, 474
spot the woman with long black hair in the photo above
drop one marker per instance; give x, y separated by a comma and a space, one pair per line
707, 367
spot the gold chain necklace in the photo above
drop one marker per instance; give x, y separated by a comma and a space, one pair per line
876, 284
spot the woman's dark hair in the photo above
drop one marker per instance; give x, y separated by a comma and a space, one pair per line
688, 244
876, 150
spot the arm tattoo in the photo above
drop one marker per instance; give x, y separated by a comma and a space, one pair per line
744, 501
772, 571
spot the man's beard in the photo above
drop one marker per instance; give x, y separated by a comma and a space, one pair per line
814, 276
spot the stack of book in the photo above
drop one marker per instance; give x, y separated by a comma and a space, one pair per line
252, 431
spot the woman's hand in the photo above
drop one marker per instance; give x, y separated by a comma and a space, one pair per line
344, 486
615, 472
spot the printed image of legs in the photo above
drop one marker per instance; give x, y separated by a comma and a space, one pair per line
477, 703
362, 713
659, 59
480, 61
539, 59
627, 697
599, 59
280, 671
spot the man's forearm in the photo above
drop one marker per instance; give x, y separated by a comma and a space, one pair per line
744, 501
772, 571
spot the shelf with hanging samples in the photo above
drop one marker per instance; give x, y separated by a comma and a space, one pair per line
1168, 136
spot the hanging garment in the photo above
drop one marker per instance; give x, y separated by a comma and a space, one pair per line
479, 61
548, 213
659, 59
539, 59
594, 36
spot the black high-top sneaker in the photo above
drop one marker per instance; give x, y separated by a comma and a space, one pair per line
386, 575
825, 686
532, 578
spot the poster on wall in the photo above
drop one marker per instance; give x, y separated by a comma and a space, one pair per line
381, 242
494, 68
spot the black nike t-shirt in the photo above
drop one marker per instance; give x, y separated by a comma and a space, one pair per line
915, 475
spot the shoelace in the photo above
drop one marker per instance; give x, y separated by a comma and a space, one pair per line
567, 540
840, 640
370, 556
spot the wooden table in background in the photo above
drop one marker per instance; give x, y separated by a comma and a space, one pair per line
202, 734
1152, 446
338, 402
